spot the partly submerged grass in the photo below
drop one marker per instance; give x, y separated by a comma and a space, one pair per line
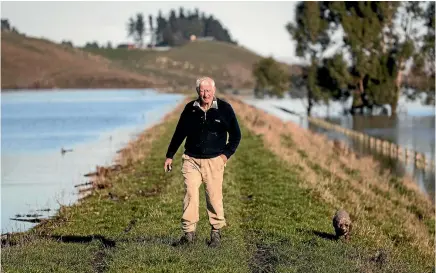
275, 223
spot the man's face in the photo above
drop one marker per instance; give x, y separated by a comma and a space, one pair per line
206, 92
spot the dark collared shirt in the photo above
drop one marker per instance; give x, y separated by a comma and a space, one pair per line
206, 132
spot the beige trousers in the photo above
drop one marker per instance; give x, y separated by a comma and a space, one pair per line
210, 172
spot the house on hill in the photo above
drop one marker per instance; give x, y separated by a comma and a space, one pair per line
127, 46
205, 38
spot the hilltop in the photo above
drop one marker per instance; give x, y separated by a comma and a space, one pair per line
39, 63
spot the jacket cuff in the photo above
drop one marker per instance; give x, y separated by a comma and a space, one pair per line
228, 154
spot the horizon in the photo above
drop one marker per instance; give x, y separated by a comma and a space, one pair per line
59, 21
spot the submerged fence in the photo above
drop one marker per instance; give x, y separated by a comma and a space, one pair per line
381, 146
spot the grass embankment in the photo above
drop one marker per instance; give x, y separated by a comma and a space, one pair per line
281, 189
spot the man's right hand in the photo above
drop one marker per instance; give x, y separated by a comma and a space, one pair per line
168, 163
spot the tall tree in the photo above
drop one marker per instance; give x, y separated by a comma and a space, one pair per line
405, 48
376, 51
152, 30
423, 69
136, 29
310, 33
363, 23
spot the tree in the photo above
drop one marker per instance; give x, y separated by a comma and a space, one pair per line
67, 43
270, 78
379, 52
178, 27
310, 33
92, 45
423, 69
376, 51
5, 25
363, 23
152, 31
136, 29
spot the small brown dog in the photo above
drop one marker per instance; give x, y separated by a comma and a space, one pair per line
342, 224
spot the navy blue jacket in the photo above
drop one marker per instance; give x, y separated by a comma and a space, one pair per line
206, 132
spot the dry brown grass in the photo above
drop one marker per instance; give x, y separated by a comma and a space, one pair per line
36, 63
383, 208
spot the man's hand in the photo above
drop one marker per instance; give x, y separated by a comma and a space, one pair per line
168, 163
224, 158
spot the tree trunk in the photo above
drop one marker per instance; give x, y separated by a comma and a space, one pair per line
394, 106
361, 86
398, 83
309, 103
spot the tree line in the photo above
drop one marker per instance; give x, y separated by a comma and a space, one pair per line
6, 26
380, 41
176, 29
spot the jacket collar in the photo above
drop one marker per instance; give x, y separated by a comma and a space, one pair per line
214, 103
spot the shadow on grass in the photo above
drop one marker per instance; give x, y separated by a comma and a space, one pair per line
165, 240
325, 235
83, 239
320, 234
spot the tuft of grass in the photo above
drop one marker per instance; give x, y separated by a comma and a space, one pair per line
287, 141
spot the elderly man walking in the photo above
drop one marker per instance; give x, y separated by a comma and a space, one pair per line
204, 123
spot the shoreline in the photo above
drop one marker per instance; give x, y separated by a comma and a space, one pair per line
88, 89
78, 188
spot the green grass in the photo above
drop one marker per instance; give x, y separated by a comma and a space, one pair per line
274, 225
219, 60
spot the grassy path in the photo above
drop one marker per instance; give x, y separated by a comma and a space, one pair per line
274, 224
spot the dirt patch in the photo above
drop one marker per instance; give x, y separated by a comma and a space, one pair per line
264, 259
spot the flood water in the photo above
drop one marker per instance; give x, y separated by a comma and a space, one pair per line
414, 130
411, 132
36, 125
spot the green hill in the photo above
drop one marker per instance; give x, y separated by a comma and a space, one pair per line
229, 64
39, 63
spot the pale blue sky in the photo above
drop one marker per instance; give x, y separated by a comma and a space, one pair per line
259, 26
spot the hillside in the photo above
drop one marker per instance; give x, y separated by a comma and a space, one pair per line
38, 63
228, 64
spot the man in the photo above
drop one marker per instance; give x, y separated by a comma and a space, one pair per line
205, 123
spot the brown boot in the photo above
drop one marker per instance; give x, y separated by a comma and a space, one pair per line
187, 238
215, 238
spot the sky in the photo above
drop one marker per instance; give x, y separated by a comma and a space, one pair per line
258, 26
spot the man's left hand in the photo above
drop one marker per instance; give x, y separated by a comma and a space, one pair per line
224, 158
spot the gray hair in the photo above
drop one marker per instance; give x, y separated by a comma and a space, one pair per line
202, 79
